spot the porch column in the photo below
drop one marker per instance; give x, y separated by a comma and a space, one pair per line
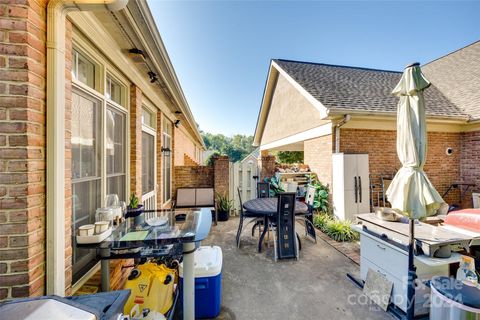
135, 141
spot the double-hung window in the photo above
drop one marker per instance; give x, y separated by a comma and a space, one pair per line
98, 135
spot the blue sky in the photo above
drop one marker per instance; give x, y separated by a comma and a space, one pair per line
221, 50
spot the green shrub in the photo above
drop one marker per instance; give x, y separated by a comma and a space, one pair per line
336, 229
275, 187
320, 200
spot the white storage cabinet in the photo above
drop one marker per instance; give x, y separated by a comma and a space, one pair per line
351, 185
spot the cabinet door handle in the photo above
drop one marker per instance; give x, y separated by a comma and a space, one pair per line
356, 189
381, 247
360, 188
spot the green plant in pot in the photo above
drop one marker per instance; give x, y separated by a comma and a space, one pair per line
224, 205
134, 208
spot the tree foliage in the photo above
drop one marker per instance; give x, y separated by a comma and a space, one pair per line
236, 147
289, 156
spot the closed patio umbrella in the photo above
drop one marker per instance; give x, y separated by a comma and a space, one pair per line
411, 193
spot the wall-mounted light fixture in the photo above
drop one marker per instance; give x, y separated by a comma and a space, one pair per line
153, 76
177, 123
166, 151
137, 55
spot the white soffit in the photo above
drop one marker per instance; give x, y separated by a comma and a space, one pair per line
320, 131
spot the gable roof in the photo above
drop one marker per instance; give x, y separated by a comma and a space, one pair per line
457, 75
343, 88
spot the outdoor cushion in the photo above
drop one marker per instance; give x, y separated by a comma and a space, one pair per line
185, 197
204, 197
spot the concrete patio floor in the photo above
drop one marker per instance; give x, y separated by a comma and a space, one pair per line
315, 287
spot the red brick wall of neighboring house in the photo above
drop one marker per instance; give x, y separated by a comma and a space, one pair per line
22, 148
318, 155
380, 145
470, 164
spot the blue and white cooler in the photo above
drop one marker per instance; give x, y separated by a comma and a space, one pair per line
208, 281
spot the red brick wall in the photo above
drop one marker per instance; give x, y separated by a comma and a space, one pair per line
318, 156
68, 159
22, 148
136, 140
380, 145
221, 172
267, 166
192, 177
470, 164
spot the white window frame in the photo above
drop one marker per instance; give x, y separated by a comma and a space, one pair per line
102, 69
153, 132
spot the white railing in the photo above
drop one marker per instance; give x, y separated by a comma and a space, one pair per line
149, 201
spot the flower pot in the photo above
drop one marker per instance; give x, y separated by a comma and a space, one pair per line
223, 215
134, 212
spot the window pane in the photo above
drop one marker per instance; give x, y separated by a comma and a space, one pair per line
147, 119
115, 143
114, 90
116, 185
85, 200
148, 163
85, 122
84, 70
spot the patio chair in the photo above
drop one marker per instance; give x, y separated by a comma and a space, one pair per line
308, 218
286, 240
243, 216
263, 190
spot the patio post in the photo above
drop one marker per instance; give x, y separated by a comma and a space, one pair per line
188, 281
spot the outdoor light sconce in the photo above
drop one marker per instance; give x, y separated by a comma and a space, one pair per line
176, 123
165, 150
153, 76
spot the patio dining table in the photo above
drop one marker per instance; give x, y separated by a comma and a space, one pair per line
129, 240
268, 208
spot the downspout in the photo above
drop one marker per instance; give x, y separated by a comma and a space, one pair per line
345, 119
57, 11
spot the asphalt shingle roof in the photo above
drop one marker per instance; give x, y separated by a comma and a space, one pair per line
352, 88
457, 75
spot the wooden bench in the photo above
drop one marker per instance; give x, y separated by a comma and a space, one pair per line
189, 198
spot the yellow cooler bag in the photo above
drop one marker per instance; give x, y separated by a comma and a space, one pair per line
152, 287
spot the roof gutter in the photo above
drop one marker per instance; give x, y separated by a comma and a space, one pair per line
345, 119
57, 11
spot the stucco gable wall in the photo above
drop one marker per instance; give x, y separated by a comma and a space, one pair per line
290, 113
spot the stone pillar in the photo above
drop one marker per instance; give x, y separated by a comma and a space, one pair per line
267, 167
22, 148
135, 141
221, 173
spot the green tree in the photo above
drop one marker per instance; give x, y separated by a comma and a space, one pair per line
236, 147
290, 156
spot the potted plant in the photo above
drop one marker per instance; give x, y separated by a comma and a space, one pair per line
224, 205
134, 208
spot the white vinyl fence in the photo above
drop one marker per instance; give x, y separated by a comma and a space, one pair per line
242, 175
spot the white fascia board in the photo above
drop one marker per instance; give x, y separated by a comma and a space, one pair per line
319, 131
265, 105
317, 104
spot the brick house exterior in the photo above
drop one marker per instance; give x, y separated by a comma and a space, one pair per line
351, 110
102, 76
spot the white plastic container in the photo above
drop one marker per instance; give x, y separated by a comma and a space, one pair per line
208, 281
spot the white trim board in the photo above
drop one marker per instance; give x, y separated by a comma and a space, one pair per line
320, 131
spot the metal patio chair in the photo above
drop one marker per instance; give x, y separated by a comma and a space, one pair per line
243, 216
263, 190
286, 242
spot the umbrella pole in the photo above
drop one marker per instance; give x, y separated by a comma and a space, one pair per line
411, 274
